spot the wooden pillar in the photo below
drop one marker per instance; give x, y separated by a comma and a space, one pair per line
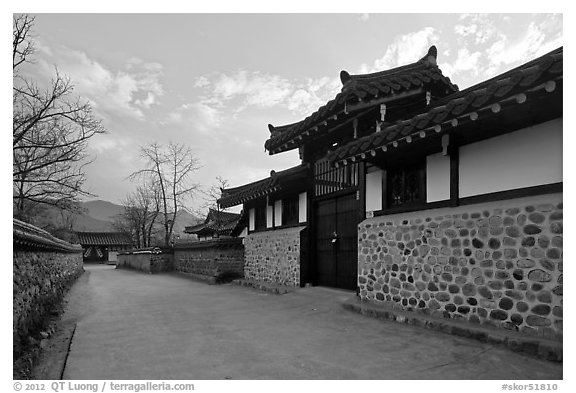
361, 193
454, 172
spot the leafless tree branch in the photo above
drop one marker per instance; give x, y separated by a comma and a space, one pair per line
51, 130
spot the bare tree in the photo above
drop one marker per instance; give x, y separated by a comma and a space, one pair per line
51, 129
170, 168
141, 209
210, 199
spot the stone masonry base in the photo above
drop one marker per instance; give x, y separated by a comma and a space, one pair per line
497, 264
274, 256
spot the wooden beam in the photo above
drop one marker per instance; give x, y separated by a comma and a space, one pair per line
383, 100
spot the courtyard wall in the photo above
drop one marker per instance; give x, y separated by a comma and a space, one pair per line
216, 260
147, 260
43, 269
275, 256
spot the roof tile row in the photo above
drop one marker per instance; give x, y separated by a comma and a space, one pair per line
358, 87
103, 238
528, 76
241, 194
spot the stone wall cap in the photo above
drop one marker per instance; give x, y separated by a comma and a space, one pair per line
28, 236
272, 231
227, 242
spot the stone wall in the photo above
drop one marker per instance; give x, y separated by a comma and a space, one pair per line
497, 263
274, 256
216, 260
146, 261
43, 269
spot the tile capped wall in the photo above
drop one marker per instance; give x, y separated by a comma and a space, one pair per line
499, 264
274, 256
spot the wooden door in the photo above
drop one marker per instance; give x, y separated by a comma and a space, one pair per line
336, 242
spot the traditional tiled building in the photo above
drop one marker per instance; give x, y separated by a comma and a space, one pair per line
420, 195
218, 224
103, 247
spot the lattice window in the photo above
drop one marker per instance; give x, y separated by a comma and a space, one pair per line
406, 185
260, 218
290, 210
328, 179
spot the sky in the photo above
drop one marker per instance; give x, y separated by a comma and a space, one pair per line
215, 81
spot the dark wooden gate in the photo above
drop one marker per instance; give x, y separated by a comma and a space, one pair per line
336, 242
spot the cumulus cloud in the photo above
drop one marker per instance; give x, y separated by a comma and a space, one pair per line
200, 115
497, 47
126, 92
254, 88
245, 89
312, 94
531, 44
465, 62
479, 27
405, 49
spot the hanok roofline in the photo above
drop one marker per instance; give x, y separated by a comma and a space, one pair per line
488, 98
104, 239
260, 188
216, 222
31, 237
362, 92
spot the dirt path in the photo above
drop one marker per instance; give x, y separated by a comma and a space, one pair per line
131, 325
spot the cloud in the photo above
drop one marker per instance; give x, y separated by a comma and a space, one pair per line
107, 143
312, 94
489, 45
245, 89
465, 62
480, 27
200, 115
363, 17
253, 89
405, 49
130, 91
533, 43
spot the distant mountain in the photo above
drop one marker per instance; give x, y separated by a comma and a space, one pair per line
184, 219
100, 215
86, 223
102, 210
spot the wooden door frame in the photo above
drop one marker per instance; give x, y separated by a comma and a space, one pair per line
313, 263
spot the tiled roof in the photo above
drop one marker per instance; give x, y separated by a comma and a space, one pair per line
221, 216
28, 236
103, 238
216, 221
257, 189
541, 74
360, 88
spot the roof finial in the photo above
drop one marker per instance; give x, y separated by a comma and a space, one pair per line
432, 55
344, 77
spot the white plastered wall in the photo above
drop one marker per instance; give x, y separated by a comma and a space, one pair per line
302, 204
437, 177
373, 189
269, 216
277, 213
528, 157
251, 219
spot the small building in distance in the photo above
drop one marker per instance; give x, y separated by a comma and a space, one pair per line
103, 247
218, 224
